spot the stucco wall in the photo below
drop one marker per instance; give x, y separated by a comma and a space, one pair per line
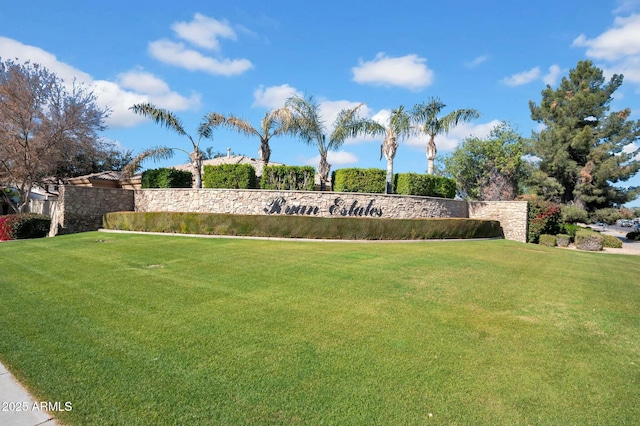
81, 208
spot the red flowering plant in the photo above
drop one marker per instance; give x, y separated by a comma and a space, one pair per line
544, 218
6, 228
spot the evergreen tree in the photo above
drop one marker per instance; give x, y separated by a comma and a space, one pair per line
584, 148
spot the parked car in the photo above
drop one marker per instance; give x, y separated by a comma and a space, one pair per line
626, 223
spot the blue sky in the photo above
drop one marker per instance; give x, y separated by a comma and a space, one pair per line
247, 57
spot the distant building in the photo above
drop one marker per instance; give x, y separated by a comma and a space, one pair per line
230, 159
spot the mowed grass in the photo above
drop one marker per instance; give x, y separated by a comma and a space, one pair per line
143, 329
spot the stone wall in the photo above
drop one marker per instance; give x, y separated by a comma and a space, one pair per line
81, 208
512, 216
308, 203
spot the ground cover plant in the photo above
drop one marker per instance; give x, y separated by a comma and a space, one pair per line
140, 329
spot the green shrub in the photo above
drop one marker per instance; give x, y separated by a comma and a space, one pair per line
569, 229
633, 236
574, 214
563, 240
300, 178
231, 176
23, 226
424, 185
302, 226
166, 178
371, 181
547, 240
544, 218
589, 240
612, 241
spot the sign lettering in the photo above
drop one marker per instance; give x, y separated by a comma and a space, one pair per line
340, 207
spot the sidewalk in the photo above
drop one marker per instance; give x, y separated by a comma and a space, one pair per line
17, 407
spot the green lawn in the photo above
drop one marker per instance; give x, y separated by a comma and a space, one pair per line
138, 330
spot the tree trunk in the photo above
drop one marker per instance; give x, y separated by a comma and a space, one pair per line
196, 162
264, 152
323, 171
431, 154
389, 147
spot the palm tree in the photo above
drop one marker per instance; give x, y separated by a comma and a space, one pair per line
307, 123
172, 122
398, 127
274, 123
426, 116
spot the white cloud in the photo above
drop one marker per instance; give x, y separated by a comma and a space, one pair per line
626, 6
142, 82
274, 96
629, 67
551, 78
329, 110
178, 54
130, 88
335, 158
450, 141
11, 49
620, 41
476, 61
522, 78
408, 71
204, 31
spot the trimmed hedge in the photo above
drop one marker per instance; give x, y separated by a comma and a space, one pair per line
424, 185
23, 226
612, 241
300, 178
548, 240
302, 226
563, 240
589, 240
166, 178
371, 181
229, 176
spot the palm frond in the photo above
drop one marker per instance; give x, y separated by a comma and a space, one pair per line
349, 124
306, 121
452, 119
160, 116
400, 123
241, 126
209, 122
281, 119
157, 154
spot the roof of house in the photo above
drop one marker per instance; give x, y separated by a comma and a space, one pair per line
230, 159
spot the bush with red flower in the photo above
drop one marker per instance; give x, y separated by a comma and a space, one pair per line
23, 226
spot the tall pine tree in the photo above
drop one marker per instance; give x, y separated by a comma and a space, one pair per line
584, 149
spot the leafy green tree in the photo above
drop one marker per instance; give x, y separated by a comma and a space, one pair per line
305, 121
426, 115
491, 168
172, 122
584, 148
274, 123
